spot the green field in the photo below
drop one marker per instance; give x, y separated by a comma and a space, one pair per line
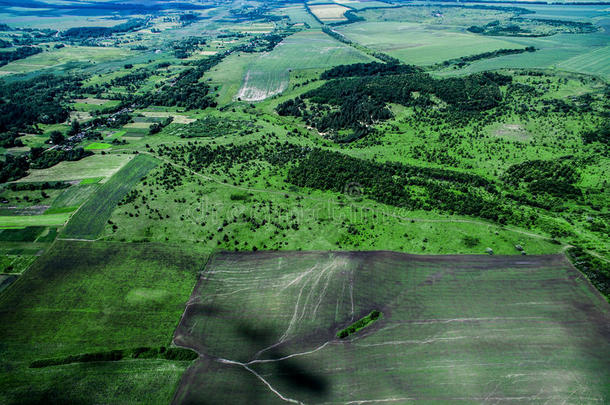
98, 146
87, 297
455, 329
419, 45
92, 166
89, 221
420, 36
269, 73
62, 58
34, 220
299, 15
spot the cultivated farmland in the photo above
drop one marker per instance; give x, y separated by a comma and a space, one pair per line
86, 297
92, 166
269, 74
329, 12
89, 221
417, 44
455, 329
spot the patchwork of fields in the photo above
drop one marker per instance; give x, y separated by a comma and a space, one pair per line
422, 36
89, 221
416, 44
455, 329
223, 218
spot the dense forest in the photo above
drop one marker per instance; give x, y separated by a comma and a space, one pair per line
18, 53
355, 103
39, 100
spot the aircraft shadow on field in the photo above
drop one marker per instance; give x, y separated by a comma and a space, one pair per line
293, 377
292, 372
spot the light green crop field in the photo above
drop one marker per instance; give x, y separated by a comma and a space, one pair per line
584, 53
62, 22
92, 166
594, 62
298, 14
78, 301
34, 220
75, 195
419, 45
98, 146
269, 73
421, 35
358, 5
90, 219
455, 329
56, 58
94, 104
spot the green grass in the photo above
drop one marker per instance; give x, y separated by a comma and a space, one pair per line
34, 220
73, 300
92, 180
417, 44
60, 210
90, 219
269, 74
455, 329
91, 166
98, 146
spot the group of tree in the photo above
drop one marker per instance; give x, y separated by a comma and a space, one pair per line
156, 127
464, 60
522, 27
96, 32
368, 69
601, 134
358, 102
19, 53
553, 177
389, 183
10, 139
40, 100
41, 159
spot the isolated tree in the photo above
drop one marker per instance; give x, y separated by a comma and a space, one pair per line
57, 138
74, 127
